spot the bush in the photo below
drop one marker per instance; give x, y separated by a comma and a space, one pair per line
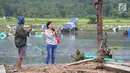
118, 21
8, 19
92, 19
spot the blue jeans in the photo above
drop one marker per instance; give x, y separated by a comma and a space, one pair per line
50, 53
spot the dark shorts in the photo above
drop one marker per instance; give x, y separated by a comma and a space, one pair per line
22, 52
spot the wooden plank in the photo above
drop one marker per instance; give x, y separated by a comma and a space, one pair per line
2, 69
118, 63
117, 68
78, 62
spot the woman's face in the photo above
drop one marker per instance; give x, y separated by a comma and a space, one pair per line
50, 26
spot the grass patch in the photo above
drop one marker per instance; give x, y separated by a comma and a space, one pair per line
60, 21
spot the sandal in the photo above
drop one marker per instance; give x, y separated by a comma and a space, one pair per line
21, 70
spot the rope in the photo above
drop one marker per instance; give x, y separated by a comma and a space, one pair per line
38, 48
101, 44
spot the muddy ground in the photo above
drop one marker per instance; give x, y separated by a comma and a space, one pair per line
81, 68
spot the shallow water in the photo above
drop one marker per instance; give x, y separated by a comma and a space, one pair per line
85, 41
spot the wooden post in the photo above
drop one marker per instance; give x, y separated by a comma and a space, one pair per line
101, 40
99, 25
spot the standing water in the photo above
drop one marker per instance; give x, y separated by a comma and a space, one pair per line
70, 42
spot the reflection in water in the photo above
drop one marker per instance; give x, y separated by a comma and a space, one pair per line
129, 37
85, 41
68, 36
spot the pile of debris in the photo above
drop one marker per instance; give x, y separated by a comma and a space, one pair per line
88, 67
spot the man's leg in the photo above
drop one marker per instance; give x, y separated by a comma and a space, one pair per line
22, 54
19, 63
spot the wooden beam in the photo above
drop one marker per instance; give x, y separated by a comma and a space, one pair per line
79, 62
117, 68
120, 63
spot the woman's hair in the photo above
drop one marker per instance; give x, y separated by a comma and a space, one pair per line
53, 29
48, 23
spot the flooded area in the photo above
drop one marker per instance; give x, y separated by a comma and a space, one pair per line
70, 42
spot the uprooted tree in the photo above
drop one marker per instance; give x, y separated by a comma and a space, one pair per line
103, 50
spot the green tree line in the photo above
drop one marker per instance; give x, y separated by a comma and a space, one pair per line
60, 8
